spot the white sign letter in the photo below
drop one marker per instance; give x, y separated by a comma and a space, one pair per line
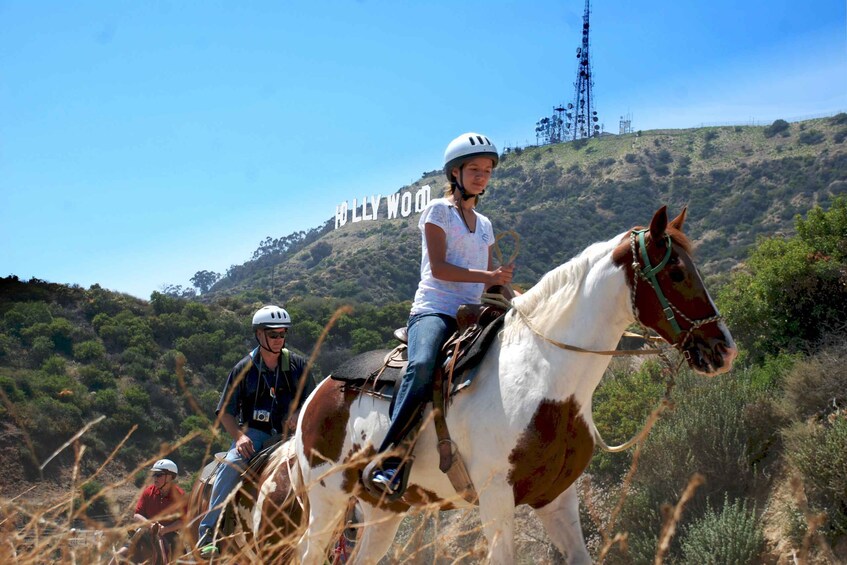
406, 204
341, 214
365, 215
375, 204
355, 208
391, 205
422, 198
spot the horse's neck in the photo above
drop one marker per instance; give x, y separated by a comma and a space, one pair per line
583, 303
593, 316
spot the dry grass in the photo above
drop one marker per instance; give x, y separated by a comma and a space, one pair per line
57, 529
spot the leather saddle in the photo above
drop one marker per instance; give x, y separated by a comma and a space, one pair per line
379, 372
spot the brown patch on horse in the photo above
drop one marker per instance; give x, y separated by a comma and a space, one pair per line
419, 496
550, 454
281, 517
323, 428
354, 464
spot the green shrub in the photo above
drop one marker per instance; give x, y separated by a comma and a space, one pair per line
770, 374
55, 365
817, 450
365, 340
95, 379
791, 292
9, 345
811, 137
136, 396
621, 405
98, 509
815, 384
778, 126
10, 389
42, 349
733, 535
641, 520
709, 432
89, 351
50, 422
25, 314
838, 119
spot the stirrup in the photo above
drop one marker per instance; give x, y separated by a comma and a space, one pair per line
402, 468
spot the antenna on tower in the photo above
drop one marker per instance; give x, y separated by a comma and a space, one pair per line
577, 119
626, 124
585, 120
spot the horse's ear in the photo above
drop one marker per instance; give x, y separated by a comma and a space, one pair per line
679, 220
659, 224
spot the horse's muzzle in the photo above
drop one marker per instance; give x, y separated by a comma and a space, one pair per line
710, 356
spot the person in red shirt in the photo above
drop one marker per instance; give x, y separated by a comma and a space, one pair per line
164, 498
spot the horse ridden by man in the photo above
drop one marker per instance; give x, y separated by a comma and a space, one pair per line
522, 430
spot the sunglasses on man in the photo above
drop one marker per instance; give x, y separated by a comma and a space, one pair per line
275, 335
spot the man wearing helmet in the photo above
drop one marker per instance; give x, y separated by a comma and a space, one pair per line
164, 499
260, 400
456, 267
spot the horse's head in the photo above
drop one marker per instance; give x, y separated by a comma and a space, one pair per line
669, 297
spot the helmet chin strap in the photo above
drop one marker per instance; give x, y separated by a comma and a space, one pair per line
265, 347
457, 183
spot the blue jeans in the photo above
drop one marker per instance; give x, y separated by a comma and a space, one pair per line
228, 477
427, 333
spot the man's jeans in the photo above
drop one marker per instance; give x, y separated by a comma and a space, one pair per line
228, 477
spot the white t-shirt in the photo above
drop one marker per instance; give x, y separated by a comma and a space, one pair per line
464, 249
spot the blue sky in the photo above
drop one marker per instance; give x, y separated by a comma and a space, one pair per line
141, 142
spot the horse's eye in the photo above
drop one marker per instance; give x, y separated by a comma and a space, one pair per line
677, 276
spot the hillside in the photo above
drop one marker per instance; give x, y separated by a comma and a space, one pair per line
153, 370
738, 181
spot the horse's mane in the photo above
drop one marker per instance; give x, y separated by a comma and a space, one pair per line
560, 286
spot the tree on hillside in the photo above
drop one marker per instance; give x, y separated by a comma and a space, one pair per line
792, 291
203, 280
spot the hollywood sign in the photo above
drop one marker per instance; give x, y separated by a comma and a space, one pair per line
396, 206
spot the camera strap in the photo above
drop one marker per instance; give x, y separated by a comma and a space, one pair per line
284, 361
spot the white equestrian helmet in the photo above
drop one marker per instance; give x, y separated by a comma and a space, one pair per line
466, 147
165, 465
268, 317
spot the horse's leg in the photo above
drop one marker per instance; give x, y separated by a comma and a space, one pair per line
561, 520
375, 539
497, 513
326, 510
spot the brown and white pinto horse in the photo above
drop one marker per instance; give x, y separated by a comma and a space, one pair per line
267, 514
524, 428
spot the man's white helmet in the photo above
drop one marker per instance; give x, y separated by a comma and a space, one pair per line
466, 147
165, 465
268, 317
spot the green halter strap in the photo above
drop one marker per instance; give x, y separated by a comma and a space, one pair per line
648, 272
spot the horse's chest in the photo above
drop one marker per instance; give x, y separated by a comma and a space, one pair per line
550, 453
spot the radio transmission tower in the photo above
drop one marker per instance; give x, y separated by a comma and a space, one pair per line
581, 115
